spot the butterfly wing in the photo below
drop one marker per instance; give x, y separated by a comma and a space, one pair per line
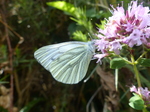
68, 62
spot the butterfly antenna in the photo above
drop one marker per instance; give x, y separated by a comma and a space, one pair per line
90, 36
90, 74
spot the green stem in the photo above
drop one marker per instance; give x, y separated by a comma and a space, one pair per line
141, 56
145, 110
116, 79
137, 75
136, 71
125, 60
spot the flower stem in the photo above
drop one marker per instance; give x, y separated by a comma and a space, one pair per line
116, 79
137, 75
125, 60
141, 56
136, 71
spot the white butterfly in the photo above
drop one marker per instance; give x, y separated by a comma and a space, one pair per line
68, 62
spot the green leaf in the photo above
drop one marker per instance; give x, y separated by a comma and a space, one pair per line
144, 62
91, 12
78, 35
18, 53
3, 110
102, 25
30, 105
4, 82
3, 78
117, 63
136, 102
3, 53
64, 6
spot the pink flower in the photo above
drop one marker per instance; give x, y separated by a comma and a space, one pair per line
101, 45
143, 92
115, 46
133, 89
100, 56
135, 38
129, 27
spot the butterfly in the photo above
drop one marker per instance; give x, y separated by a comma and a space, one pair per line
68, 61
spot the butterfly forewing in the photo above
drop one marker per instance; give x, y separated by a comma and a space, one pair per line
68, 62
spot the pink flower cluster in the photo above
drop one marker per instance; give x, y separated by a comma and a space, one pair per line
129, 27
143, 92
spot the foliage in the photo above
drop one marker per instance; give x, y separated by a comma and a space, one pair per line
40, 23
136, 102
30, 105
117, 63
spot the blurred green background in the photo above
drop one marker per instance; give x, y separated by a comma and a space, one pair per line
25, 26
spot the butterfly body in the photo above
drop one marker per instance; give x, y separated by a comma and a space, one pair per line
68, 62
